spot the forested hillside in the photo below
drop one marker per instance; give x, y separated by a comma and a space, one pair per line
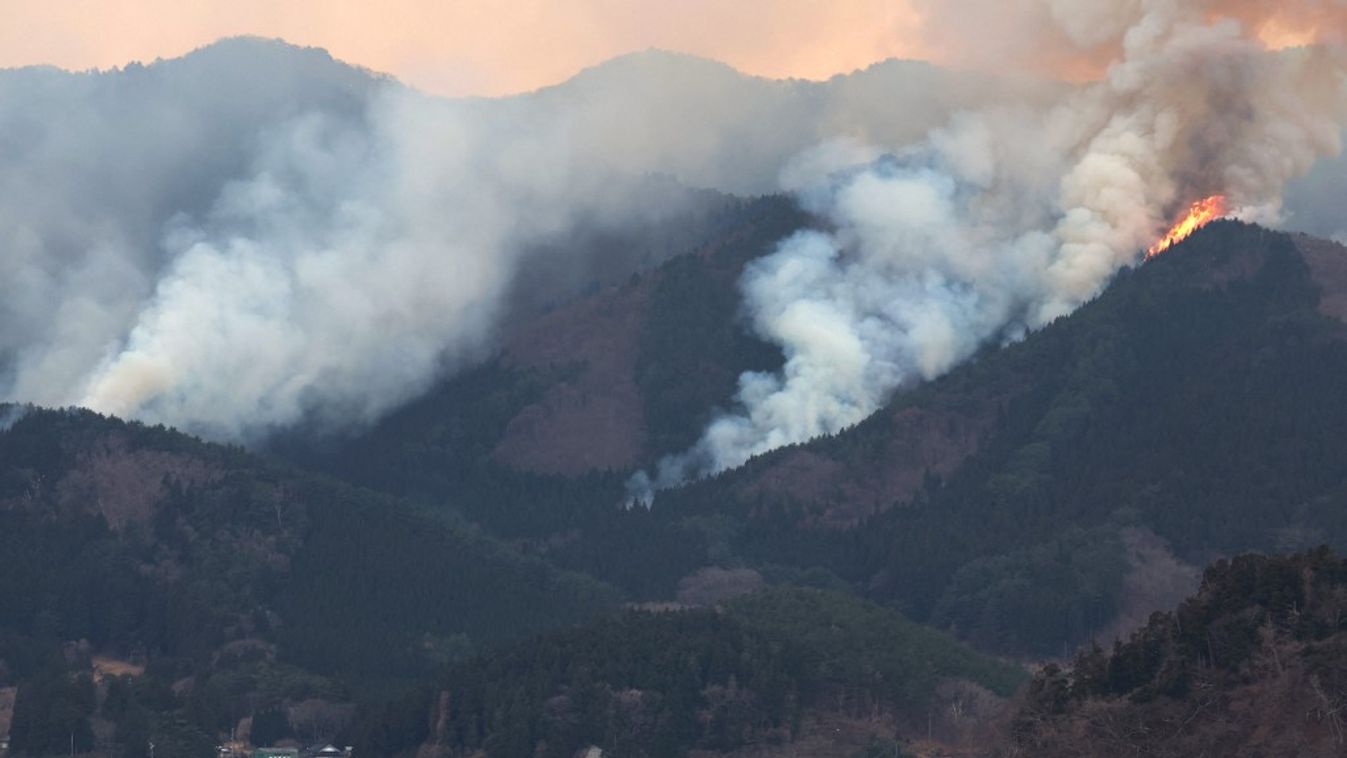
1199, 398
1193, 408
535, 443
160, 585
228, 586
763, 670
1254, 664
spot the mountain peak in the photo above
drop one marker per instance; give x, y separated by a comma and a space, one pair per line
651, 68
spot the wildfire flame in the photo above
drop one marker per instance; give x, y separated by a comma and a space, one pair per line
1198, 215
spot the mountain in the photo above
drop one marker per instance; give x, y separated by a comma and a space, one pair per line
1031, 500
256, 139
534, 443
155, 583
465, 573
1195, 401
711, 126
1253, 663
603, 383
1060, 487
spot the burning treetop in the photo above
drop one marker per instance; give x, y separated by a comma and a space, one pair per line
1198, 215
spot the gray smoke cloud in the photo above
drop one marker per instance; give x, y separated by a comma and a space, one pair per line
256, 234
1317, 202
344, 270
1009, 217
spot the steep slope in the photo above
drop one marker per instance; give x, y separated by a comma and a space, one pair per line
535, 443
1028, 500
241, 585
1199, 398
1254, 664
603, 383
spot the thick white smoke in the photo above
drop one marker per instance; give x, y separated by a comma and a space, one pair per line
256, 234
341, 273
1009, 218
350, 259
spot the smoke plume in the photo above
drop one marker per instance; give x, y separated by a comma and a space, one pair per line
256, 234
1009, 217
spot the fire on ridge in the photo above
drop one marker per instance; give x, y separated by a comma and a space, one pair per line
1198, 215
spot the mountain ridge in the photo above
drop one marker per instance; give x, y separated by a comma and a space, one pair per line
898, 495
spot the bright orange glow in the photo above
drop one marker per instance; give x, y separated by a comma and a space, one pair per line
1275, 36
1198, 215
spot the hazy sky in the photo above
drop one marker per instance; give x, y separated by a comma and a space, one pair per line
485, 47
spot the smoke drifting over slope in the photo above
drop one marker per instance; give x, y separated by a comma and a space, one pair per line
256, 234
1008, 218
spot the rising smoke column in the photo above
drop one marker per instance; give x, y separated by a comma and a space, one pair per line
1007, 219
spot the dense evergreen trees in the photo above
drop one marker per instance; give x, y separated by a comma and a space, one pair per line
659, 684
245, 586
1254, 663
1200, 397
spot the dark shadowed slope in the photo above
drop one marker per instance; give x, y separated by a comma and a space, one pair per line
1200, 398
763, 672
604, 383
243, 585
1027, 500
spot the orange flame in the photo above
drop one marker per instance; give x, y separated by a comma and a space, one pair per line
1198, 215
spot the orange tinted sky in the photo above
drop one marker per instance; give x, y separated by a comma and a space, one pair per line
484, 47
